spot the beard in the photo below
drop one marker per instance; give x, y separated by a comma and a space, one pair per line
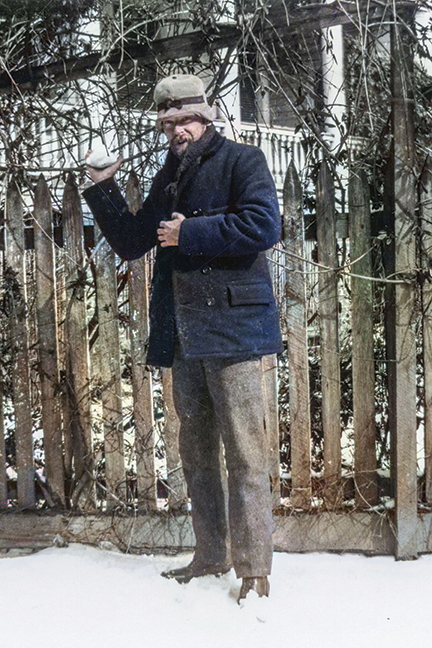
180, 144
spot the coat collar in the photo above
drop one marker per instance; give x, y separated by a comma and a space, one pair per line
172, 161
215, 144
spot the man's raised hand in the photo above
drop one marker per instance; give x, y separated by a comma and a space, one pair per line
99, 175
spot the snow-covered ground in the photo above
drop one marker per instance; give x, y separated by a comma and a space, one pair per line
83, 597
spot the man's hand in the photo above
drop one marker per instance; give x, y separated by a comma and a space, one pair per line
99, 175
169, 231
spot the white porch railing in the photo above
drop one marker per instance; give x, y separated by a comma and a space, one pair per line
280, 146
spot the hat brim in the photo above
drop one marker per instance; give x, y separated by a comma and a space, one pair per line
200, 110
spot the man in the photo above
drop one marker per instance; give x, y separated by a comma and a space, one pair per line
212, 211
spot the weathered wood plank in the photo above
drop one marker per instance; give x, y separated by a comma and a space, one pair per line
404, 377
77, 348
328, 313
271, 417
141, 375
47, 342
288, 20
15, 276
359, 532
107, 370
3, 477
363, 366
426, 264
296, 325
177, 489
3, 480
362, 532
61, 308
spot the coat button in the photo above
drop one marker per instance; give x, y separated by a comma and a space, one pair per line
206, 270
210, 301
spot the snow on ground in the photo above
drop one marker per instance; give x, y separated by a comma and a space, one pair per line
84, 597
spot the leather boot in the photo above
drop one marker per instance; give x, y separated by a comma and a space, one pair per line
195, 569
258, 584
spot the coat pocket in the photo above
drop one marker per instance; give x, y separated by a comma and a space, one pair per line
250, 294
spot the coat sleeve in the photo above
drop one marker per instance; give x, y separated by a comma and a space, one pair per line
253, 222
130, 235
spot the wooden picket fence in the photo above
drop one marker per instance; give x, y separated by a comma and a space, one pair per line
69, 372
70, 367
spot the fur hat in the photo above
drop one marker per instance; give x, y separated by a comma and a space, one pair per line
180, 95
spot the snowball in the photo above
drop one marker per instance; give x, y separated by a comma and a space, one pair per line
100, 159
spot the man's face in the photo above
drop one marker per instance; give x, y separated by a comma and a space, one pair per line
182, 131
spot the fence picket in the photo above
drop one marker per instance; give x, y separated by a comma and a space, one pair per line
402, 376
15, 268
328, 314
141, 376
296, 321
177, 490
47, 341
66, 410
3, 478
107, 371
426, 214
77, 349
362, 341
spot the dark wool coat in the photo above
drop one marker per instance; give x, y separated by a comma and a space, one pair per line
214, 290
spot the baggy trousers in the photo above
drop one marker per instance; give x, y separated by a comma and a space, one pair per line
222, 399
